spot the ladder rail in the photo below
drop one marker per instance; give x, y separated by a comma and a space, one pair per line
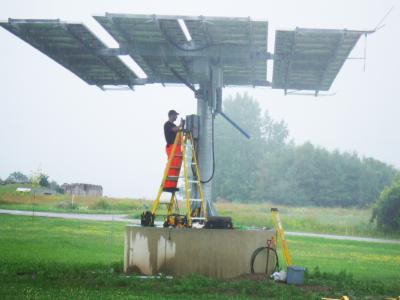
165, 175
203, 211
183, 139
185, 175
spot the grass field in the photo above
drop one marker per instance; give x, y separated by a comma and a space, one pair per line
343, 221
10, 199
64, 259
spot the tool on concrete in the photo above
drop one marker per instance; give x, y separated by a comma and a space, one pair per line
217, 222
183, 152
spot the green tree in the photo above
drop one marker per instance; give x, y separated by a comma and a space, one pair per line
39, 178
44, 180
237, 158
387, 208
17, 177
268, 167
235, 155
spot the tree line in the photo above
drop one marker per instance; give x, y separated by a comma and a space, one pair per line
38, 179
270, 167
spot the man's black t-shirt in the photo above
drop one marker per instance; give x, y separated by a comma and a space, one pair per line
169, 133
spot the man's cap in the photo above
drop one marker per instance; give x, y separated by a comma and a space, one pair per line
172, 112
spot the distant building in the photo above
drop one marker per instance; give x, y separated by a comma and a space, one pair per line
83, 189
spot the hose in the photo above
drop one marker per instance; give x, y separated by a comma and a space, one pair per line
258, 251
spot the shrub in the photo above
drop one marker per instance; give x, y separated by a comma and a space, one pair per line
44, 180
56, 187
67, 205
101, 204
387, 208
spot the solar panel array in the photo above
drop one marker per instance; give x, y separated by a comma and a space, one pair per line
310, 59
304, 59
76, 48
158, 44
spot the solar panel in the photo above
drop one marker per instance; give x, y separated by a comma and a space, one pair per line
157, 44
310, 59
74, 47
304, 59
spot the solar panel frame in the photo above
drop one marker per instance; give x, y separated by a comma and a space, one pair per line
75, 47
310, 59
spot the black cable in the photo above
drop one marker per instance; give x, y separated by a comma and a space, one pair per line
258, 251
213, 154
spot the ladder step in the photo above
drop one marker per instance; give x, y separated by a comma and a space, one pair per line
198, 218
193, 181
184, 200
182, 188
172, 178
173, 167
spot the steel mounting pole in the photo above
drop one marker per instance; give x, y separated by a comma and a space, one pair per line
206, 107
205, 157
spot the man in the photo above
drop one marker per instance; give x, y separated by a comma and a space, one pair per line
170, 131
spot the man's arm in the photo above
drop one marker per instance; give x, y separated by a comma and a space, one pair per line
177, 128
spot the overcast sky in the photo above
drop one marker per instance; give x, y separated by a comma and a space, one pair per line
50, 119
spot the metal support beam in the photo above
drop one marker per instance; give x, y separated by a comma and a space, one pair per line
205, 148
232, 51
234, 125
181, 78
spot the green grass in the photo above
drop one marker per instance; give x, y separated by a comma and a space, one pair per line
342, 221
66, 259
10, 199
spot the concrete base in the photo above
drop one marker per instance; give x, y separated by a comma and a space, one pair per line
211, 252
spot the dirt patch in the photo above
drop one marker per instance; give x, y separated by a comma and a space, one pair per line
315, 288
258, 277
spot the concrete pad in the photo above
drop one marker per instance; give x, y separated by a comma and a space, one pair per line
211, 252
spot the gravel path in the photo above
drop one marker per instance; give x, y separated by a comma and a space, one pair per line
91, 217
124, 218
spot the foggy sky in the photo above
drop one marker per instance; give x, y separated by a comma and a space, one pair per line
50, 119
